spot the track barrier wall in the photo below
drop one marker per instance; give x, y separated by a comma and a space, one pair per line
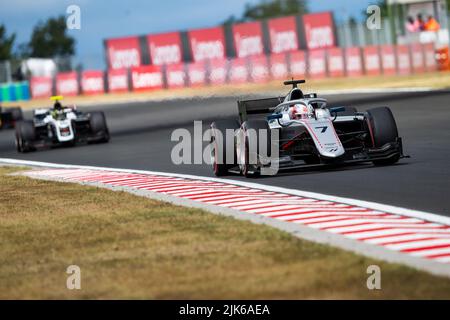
275, 49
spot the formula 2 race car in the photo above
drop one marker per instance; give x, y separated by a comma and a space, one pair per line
60, 126
310, 134
9, 117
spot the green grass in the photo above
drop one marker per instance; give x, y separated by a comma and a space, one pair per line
133, 247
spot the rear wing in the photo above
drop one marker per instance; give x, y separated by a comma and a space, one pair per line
255, 107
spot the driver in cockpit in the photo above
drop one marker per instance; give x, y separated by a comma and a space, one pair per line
300, 111
57, 109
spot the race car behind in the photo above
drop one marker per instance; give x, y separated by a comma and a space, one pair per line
60, 126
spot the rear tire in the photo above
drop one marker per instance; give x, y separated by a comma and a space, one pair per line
384, 130
25, 136
252, 142
219, 153
99, 128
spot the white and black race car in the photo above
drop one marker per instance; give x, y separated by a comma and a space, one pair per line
60, 126
309, 134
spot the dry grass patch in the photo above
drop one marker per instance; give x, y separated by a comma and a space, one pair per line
133, 247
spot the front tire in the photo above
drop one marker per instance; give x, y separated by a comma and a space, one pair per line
219, 152
384, 130
25, 136
249, 143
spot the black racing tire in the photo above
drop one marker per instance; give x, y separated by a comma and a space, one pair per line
25, 136
220, 168
384, 130
253, 140
348, 111
99, 128
17, 114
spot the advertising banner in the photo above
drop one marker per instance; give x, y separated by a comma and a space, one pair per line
238, 71
218, 71
278, 66
207, 44
165, 48
388, 59
117, 80
417, 58
176, 76
335, 60
146, 78
248, 39
353, 62
197, 74
283, 34
260, 69
317, 67
123, 53
67, 84
92, 82
319, 30
429, 57
41, 87
372, 61
403, 58
297, 63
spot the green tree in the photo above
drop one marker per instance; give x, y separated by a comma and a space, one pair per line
50, 39
6, 44
274, 8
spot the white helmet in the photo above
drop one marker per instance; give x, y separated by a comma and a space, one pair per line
301, 111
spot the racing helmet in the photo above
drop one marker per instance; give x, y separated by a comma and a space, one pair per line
300, 111
58, 106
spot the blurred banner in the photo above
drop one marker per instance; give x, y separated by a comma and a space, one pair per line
283, 34
218, 71
353, 62
248, 39
260, 68
404, 61
317, 64
388, 60
41, 87
418, 63
67, 84
298, 67
92, 82
165, 48
197, 74
336, 62
123, 52
207, 44
372, 61
176, 76
146, 78
279, 67
319, 30
118, 80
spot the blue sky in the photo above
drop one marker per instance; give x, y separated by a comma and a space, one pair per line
104, 19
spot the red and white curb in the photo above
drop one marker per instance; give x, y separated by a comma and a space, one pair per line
415, 238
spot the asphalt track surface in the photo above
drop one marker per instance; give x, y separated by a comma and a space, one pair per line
141, 139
